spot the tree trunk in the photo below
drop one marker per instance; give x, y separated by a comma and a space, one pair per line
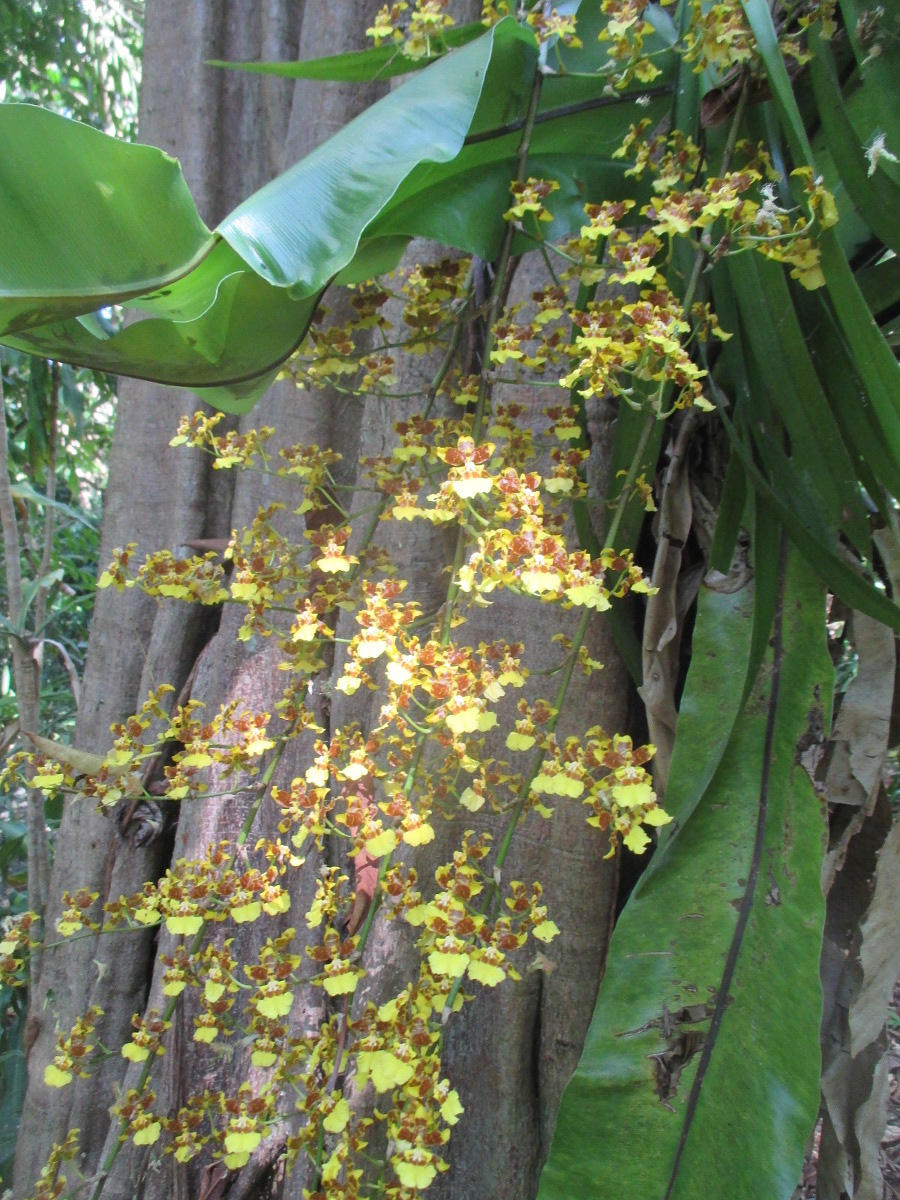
510, 1052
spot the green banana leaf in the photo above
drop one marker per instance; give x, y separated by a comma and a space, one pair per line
222, 310
226, 310
87, 221
700, 1072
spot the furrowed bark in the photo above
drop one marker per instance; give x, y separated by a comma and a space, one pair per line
156, 497
513, 1050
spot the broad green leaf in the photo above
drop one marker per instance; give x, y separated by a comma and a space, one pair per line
578, 127
87, 221
766, 534
306, 225
700, 1072
722, 639
375, 256
90, 221
463, 207
256, 325
223, 311
222, 324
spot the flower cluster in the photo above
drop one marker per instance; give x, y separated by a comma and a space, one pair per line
460, 730
196, 891
417, 36
719, 36
73, 1050
740, 209
553, 26
231, 449
365, 786
51, 1184
457, 938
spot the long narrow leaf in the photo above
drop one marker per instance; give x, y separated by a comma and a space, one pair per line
700, 1072
880, 284
723, 634
760, 20
359, 66
873, 463
872, 31
775, 341
873, 357
823, 556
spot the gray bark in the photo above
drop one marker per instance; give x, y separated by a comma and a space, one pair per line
511, 1051
156, 497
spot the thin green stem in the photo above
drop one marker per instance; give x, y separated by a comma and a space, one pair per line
727, 154
197, 942
498, 290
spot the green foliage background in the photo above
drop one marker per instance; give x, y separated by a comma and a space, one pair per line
80, 59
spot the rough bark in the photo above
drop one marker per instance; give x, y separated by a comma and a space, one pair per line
156, 497
512, 1051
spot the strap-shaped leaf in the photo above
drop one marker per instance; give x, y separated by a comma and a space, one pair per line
775, 341
359, 66
795, 510
760, 20
873, 463
731, 509
874, 193
872, 32
878, 368
880, 284
700, 1072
